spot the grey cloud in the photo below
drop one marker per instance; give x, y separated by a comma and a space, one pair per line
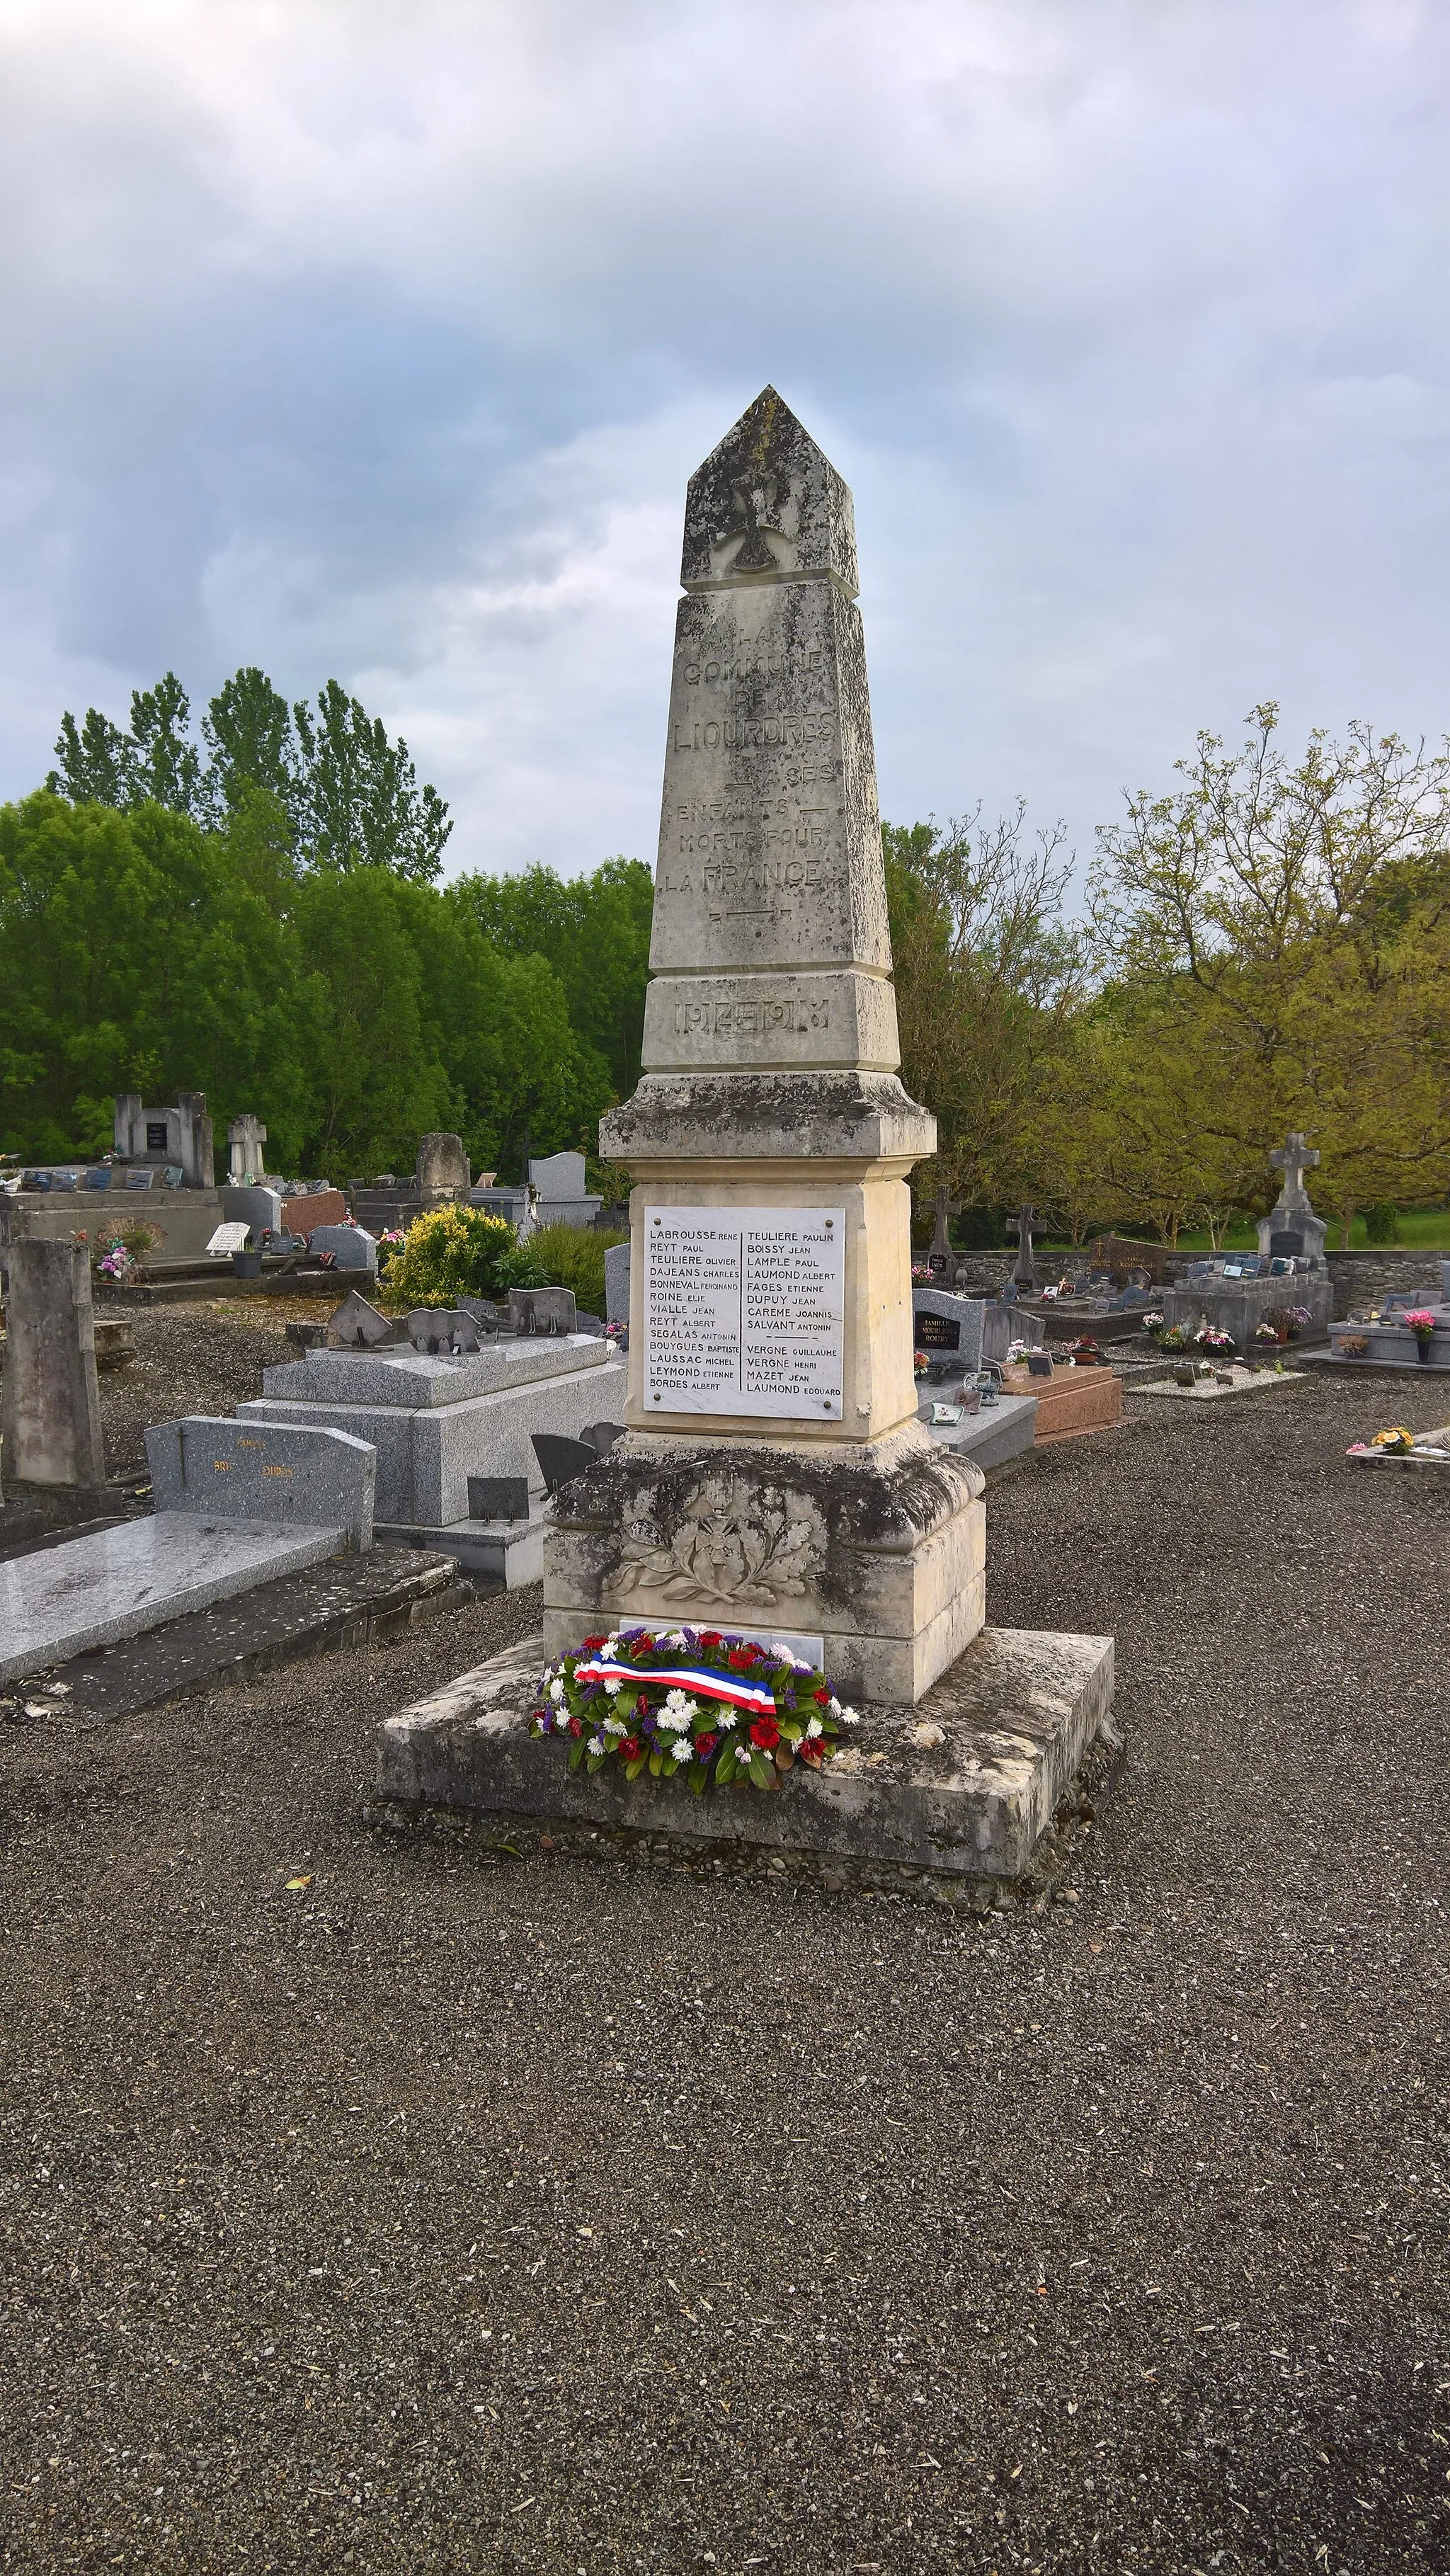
381, 340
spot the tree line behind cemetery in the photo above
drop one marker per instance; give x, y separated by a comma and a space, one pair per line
253, 910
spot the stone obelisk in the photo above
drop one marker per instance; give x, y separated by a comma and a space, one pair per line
774, 1477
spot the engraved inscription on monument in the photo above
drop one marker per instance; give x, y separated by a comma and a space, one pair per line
744, 1310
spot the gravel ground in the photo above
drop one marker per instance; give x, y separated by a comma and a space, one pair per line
189, 1359
446, 2212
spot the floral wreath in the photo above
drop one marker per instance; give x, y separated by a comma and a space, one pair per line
691, 1701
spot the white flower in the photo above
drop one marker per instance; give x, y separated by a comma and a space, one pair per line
597, 1744
729, 1717
611, 1644
677, 1637
678, 1710
556, 1692
614, 1726
849, 1717
814, 1727
835, 1708
614, 1689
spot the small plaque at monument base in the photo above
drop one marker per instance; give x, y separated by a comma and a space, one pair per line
744, 1311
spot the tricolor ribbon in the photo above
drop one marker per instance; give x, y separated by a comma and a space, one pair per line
691, 1677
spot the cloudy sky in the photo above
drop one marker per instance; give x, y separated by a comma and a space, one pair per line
377, 338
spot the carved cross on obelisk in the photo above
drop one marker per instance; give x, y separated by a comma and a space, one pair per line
1023, 1273
1294, 1158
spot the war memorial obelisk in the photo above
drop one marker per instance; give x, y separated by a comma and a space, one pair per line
773, 1479
775, 1476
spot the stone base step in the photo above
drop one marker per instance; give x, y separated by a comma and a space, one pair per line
510, 1553
946, 1798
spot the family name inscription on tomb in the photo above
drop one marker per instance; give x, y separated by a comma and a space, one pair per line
744, 1310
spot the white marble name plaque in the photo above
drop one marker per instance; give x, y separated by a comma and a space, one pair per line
744, 1310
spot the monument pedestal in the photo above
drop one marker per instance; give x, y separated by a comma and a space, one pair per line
774, 1479
950, 1800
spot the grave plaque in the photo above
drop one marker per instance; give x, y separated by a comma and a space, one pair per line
937, 1333
745, 1311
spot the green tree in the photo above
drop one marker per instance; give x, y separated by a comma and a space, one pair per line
988, 979
359, 803
595, 932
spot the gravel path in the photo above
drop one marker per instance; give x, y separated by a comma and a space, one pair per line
189, 1359
451, 2213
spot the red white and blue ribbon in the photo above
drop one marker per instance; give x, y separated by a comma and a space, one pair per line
690, 1677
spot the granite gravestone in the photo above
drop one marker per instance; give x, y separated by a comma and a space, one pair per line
775, 1461
351, 1246
299, 1478
944, 1323
1023, 1269
50, 1408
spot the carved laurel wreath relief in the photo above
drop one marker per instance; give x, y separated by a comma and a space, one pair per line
733, 1542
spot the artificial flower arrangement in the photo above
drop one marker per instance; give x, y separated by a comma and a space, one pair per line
1421, 1321
1286, 1322
1397, 1439
1153, 1320
920, 1363
1265, 1333
1177, 1338
1353, 1345
1210, 1337
690, 1701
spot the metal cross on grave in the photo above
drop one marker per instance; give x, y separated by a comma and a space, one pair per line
1021, 1225
1294, 1158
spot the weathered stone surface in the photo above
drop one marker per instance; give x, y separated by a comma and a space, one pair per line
769, 1117
308, 1478
442, 1169
756, 1023
50, 1410
1016, 1713
881, 1551
767, 501
1291, 1226
89, 1591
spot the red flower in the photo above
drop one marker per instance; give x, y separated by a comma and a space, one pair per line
823, 1695
766, 1734
592, 1645
812, 1748
710, 1639
640, 1645
642, 1704
705, 1745
576, 1726
629, 1748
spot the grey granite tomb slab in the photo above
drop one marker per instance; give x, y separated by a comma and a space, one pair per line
960, 1786
312, 1477
436, 1421
90, 1591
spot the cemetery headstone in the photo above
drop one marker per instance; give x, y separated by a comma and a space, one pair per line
1291, 1230
442, 1171
359, 1326
562, 1198
303, 1213
616, 1285
943, 1322
541, 1310
442, 1328
180, 1135
260, 1208
351, 1246
300, 1477
245, 1160
1023, 1271
50, 1411
231, 1236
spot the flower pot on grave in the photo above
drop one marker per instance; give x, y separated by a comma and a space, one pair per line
247, 1265
1423, 1346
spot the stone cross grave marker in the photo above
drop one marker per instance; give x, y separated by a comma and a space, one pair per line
1021, 1225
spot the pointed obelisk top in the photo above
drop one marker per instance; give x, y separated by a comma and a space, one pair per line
766, 505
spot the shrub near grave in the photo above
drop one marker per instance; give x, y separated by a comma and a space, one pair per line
572, 1256
453, 1252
